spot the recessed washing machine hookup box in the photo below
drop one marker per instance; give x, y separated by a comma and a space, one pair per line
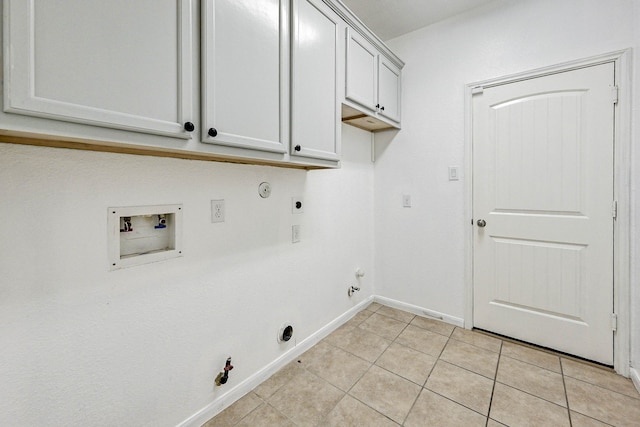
144, 234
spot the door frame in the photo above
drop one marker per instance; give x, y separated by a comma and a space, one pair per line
621, 191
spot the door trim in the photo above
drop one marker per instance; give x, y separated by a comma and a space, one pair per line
622, 176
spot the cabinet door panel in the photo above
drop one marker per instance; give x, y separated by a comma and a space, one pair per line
389, 89
361, 71
242, 71
119, 64
315, 103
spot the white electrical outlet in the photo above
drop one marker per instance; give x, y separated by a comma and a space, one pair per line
217, 210
295, 233
297, 205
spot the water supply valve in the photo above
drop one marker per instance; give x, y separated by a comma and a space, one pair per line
126, 224
223, 376
162, 221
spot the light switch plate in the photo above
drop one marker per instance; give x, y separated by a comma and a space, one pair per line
295, 233
454, 173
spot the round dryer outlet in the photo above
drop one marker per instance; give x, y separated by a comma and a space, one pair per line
285, 333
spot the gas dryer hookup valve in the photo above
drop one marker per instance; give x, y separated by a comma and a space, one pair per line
223, 376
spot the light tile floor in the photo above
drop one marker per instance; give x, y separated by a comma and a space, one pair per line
387, 367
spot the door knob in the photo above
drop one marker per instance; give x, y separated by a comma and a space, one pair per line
297, 148
189, 127
212, 132
481, 223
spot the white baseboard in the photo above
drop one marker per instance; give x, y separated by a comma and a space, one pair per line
635, 377
227, 399
420, 311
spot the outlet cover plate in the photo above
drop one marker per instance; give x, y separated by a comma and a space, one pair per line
217, 210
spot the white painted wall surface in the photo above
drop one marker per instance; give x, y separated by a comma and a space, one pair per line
419, 255
141, 346
635, 201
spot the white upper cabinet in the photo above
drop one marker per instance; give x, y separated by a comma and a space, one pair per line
362, 71
245, 74
251, 81
388, 89
315, 115
372, 80
118, 64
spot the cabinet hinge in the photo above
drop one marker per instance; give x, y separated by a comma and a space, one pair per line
614, 94
476, 90
614, 322
614, 209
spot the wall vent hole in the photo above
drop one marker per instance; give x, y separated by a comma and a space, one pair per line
286, 333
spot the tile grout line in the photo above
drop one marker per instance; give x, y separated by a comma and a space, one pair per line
566, 396
548, 351
374, 364
531, 394
599, 385
371, 364
495, 380
422, 388
450, 337
346, 392
534, 365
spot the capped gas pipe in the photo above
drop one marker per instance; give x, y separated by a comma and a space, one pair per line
224, 375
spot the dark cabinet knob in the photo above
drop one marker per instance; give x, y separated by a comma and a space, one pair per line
297, 148
189, 127
382, 108
212, 132
298, 205
377, 105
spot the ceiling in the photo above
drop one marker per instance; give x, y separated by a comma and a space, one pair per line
392, 18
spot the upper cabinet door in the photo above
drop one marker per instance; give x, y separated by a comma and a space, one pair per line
315, 118
362, 74
388, 89
120, 64
244, 73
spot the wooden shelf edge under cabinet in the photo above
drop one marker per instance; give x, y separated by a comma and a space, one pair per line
56, 141
354, 117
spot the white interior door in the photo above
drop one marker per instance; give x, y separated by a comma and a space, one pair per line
543, 185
